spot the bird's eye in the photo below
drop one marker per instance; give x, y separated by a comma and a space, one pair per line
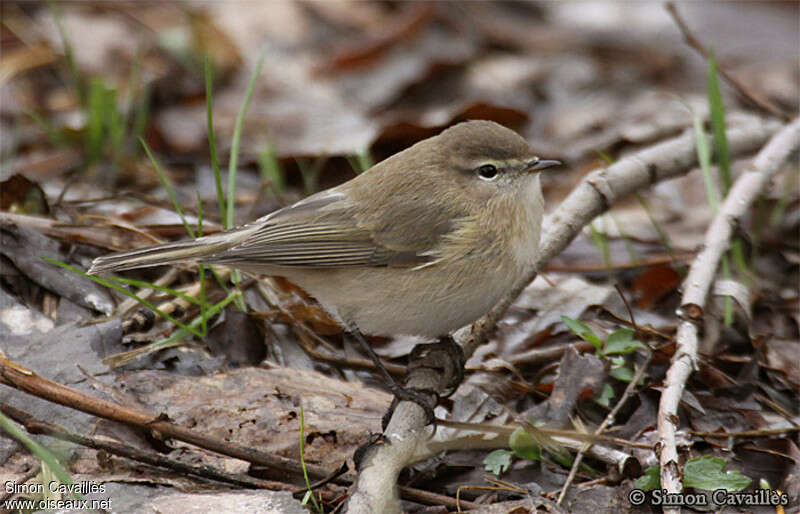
487, 172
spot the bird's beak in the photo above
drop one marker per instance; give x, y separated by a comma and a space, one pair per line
540, 164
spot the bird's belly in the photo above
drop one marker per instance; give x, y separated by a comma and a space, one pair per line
383, 301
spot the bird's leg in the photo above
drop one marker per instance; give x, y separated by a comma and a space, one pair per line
425, 398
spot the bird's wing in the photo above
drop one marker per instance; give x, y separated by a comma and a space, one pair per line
328, 230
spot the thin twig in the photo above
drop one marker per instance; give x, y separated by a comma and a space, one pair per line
427, 497
18, 377
37, 426
747, 433
606, 422
627, 306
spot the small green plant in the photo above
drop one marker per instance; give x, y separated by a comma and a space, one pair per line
618, 343
707, 473
498, 461
109, 131
704, 473
649, 480
527, 442
309, 496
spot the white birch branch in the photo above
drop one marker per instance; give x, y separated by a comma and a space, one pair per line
697, 285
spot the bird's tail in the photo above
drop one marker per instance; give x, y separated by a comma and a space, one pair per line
168, 253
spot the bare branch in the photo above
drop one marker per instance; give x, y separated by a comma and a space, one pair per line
698, 283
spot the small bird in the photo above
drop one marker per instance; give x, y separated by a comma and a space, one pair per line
422, 243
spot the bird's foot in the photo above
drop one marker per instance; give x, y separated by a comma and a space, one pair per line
445, 355
428, 399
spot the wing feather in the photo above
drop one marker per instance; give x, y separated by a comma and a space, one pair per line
321, 231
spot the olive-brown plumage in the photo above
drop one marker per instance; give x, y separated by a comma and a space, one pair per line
422, 243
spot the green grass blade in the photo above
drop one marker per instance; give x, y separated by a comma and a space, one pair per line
96, 116
141, 115
236, 276
175, 339
237, 138
111, 285
142, 284
52, 133
365, 159
310, 492
662, 234
309, 171
600, 241
717, 116
40, 451
361, 161
633, 255
704, 158
271, 169
723, 160
165, 181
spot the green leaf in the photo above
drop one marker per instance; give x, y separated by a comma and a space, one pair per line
623, 373
621, 341
498, 461
580, 329
707, 473
650, 480
606, 395
524, 445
